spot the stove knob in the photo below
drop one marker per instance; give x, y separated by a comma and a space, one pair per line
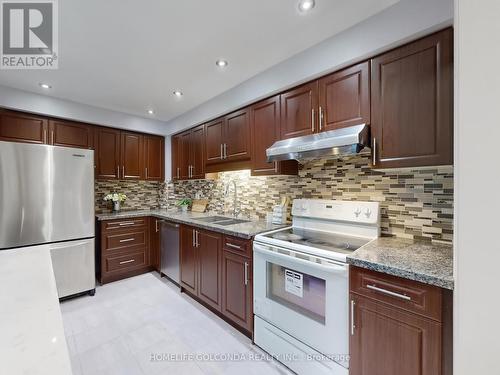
368, 212
357, 212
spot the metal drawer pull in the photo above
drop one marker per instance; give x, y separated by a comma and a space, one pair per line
374, 161
221, 151
389, 293
233, 246
353, 326
197, 239
246, 273
127, 223
127, 261
127, 240
194, 240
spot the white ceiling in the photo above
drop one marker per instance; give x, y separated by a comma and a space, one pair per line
129, 56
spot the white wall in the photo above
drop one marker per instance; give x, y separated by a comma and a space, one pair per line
477, 181
403, 21
50, 106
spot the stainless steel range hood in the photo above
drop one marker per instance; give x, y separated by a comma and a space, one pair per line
339, 142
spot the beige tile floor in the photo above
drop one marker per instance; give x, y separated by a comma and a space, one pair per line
136, 326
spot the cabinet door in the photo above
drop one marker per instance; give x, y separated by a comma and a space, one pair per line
237, 298
237, 141
214, 134
132, 156
298, 111
107, 150
344, 98
188, 259
154, 158
176, 150
412, 104
197, 152
154, 243
20, 127
71, 134
185, 154
390, 341
209, 271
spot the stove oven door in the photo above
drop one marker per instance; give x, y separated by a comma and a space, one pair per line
304, 296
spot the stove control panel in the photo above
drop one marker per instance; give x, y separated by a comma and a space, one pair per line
347, 211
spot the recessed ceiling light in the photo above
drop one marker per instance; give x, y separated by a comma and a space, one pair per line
221, 63
45, 86
178, 93
151, 112
306, 5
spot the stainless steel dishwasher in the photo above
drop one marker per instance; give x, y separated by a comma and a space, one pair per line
169, 238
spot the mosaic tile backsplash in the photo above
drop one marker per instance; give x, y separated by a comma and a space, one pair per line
415, 203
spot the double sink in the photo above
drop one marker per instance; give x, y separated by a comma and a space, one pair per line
221, 220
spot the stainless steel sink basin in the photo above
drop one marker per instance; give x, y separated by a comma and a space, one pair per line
211, 219
231, 222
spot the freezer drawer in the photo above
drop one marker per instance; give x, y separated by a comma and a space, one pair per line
74, 266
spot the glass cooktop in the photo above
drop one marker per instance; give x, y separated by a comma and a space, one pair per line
320, 240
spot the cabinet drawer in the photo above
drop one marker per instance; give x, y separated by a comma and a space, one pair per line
238, 245
120, 241
114, 225
121, 262
409, 295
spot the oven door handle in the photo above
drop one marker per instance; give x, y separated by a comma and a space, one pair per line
331, 268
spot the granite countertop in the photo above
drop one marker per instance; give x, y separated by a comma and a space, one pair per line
32, 336
243, 230
426, 262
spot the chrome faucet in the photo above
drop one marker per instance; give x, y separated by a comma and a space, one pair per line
236, 210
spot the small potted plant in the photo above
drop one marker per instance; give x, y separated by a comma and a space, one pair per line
184, 204
116, 198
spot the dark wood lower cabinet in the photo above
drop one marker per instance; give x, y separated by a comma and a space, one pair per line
209, 248
188, 260
237, 298
390, 341
398, 326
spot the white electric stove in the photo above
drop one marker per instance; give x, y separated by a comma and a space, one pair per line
301, 282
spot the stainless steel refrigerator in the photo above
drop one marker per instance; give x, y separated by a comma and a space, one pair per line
47, 197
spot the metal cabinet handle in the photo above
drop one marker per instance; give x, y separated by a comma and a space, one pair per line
246, 273
117, 171
389, 293
197, 239
178, 172
221, 151
45, 136
233, 246
127, 240
225, 151
353, 326
146, 173
127, 261
52, 137
320, 118
194, 238
123, 171
156, 225
374, 151
312, 120
126, 223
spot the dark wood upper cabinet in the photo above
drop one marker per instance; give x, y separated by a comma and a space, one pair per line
22, 127
132, 156
265, 130
299, 111
188, 260
237, 141
209, 268
344, 98
154, 158
107, 153
197, 154
71, 134
214, 135
412, 104
237, 299
184, 155
175, 152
